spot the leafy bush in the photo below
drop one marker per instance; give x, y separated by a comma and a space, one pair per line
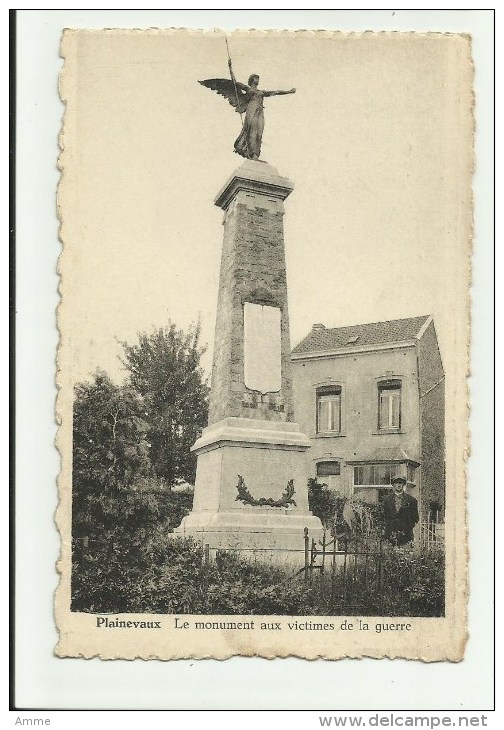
323, 502
115, 532
344, 516
170, 576
422, 577
248, 587
172, 506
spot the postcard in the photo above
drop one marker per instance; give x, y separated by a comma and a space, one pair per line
264, 344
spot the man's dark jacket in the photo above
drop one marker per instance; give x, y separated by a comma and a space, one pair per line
399, 525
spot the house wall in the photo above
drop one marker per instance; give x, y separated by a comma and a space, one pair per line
358, 375
432, 420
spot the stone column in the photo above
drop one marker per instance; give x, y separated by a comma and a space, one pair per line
251, 480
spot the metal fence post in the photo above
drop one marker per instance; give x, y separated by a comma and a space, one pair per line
323, 552
333, 572
306, 553
380, 557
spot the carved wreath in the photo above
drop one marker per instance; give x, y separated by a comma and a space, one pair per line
284, 501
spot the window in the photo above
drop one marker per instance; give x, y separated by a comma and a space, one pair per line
389, 404
435, 512
375, 475
380, 475
329, 409
328, 472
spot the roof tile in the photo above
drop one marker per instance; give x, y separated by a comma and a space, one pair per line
322, 339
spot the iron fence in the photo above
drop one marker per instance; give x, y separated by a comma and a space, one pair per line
430, 534
343, 569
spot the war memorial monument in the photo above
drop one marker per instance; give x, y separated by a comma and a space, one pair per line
251, 482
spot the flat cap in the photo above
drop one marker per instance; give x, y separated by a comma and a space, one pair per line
397, 479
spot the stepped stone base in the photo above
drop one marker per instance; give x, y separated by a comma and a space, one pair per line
267, 455
277, 530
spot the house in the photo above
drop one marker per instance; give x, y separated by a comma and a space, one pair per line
371, 399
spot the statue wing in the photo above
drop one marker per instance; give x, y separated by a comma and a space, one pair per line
226, 88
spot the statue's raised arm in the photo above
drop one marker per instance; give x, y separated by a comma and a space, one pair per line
278, 93
246, 99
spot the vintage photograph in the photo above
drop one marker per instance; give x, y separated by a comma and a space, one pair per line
264, 341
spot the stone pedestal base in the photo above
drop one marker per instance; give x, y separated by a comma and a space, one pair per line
266, 455
276, 530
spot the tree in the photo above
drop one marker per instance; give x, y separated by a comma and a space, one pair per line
110, 446
127, 437
164, 369
109, 433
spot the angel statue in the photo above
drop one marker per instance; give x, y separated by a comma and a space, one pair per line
248, 99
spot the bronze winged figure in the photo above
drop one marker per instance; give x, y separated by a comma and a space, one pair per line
246, 99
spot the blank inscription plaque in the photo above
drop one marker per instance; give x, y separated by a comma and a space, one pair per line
262, 348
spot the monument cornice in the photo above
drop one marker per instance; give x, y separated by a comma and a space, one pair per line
243, 432
254, 177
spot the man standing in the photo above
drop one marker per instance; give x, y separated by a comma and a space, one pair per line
401, 513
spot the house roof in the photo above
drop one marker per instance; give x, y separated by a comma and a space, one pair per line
323, 339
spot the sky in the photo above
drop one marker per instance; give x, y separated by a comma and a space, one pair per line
376, 141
